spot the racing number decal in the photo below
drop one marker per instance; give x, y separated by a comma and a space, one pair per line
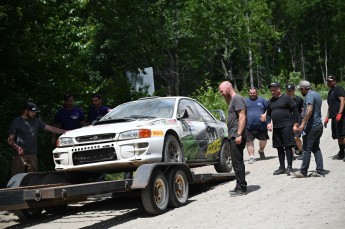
213, 147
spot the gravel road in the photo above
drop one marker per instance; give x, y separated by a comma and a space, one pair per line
272, 202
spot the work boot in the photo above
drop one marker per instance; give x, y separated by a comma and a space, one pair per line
299, 174
339, 156
279, 171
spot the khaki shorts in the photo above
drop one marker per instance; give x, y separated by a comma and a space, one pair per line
24, 164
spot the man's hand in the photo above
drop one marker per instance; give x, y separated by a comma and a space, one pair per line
269, 127
238, 140
20, 150
263, 117
338, 117
325, 122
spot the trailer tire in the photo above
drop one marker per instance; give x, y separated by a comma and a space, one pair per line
56, 209
32, 213
178, 187
224, 160
172, 149
155, 197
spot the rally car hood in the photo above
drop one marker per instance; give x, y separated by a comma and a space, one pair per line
108, 128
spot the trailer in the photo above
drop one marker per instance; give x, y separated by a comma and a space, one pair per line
161, 185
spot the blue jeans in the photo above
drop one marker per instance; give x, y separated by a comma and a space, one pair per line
311, 143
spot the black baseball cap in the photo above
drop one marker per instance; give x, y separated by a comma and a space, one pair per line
331, 78
30, 106
290, 86
274, 84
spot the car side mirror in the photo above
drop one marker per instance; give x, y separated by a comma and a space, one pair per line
219, 115
183, 114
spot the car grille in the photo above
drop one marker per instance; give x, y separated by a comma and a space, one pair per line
91, 138
92, 156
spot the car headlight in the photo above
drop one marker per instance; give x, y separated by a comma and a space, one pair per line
64, 142
133, 134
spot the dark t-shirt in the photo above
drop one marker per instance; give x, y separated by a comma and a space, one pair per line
25, 131
255, 108
69, 119
334, 101
97, 114
299, 106
237, 103
282, 111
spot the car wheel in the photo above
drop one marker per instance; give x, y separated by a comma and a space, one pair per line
178, 187
172, 149
224, 160
155, 196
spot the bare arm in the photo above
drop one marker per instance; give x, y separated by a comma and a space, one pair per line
14, 145
241, 121
54, 129
342, 104
307, 115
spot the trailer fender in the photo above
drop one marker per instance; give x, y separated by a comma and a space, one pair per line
144, 172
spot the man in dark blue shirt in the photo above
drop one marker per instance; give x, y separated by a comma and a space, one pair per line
256, 124
97, 111
69, 117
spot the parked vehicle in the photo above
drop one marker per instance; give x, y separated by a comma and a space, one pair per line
149, 130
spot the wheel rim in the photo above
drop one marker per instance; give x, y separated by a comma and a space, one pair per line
159, 192
173, 151
180, 187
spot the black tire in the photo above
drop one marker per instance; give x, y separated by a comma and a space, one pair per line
155, 196
56, 209
178, 187
172, 149
32, 213
224, 160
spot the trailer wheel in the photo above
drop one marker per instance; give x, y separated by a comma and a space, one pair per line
178, 187
56, 209
32, 213
172, 150
224, 161
155, 196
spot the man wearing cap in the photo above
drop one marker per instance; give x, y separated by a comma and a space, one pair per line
336, 103
290, 91
23, 139
312, 126
256, 124
97, 110
236, 123
282, 110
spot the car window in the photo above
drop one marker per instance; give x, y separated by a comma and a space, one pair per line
188, 105
204, 114
154, 108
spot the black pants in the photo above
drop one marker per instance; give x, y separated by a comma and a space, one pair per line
236, 152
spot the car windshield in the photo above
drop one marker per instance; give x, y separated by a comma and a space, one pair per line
148, 108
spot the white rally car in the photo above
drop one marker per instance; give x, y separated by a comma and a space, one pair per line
148, 130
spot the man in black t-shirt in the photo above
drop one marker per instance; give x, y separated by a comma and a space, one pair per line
290, 91
282, 110
336, 103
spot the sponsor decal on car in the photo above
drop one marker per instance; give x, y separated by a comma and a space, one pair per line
213, 147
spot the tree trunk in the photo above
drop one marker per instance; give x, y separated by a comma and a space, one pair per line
302, 61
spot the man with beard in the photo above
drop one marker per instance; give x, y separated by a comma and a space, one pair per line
23, 139
256, 124
312, 126
236, 123
336, 103
283, 112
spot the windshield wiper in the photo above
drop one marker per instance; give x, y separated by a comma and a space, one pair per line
140, 116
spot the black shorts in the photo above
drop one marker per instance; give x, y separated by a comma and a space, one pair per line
283, 137
258, 134
338, 128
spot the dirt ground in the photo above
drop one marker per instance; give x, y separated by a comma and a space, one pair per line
272, 202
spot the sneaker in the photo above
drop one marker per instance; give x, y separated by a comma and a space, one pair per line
299, 174
251, 160
338, 156
300, 157
262, 155
237, 192
317, 174
279, 171
289, 171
